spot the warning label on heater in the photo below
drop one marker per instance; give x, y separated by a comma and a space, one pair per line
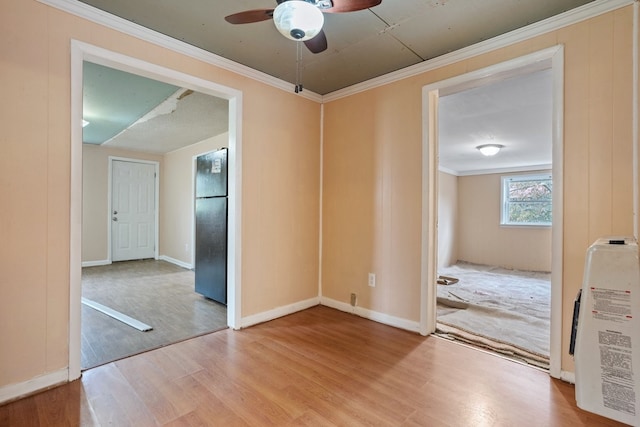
616, 371
619, 397
611, 305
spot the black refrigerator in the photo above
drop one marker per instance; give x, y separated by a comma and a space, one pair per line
211, 226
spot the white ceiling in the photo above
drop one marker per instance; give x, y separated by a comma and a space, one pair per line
184, 119
515, 113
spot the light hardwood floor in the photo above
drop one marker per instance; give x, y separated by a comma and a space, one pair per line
317, 367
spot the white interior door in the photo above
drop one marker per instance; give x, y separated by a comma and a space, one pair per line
133, 213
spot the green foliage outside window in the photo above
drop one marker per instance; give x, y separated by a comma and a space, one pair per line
526, 200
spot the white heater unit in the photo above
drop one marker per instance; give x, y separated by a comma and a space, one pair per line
607, 334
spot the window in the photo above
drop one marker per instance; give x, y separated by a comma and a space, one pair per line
526, 200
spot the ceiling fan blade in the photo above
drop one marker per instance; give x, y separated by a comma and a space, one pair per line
250, 16
318, 43
340, 6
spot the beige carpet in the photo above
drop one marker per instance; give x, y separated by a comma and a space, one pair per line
504, 310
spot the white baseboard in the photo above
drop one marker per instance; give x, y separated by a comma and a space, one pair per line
16, 391
175, 261
265, 316
161, 257
386, 319
96, 263
569, 377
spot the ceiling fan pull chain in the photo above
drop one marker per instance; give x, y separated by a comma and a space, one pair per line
298, 67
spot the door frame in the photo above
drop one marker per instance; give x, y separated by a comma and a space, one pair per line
80, 52
552, 58
156, 207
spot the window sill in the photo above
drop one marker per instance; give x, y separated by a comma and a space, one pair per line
526, 225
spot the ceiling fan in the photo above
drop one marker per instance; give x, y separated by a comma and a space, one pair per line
302, 20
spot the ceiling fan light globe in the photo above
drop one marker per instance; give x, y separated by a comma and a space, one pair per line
298, 20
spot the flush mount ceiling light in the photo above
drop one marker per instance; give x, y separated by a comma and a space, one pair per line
489, 149
298, 20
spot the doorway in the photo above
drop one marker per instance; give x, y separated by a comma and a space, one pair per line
84, 52
494, 216
135, 299
549, 59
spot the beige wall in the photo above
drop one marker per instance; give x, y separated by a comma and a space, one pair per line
95, 197
372, 168
176, 198
372, 198
280, 183
448, 218
469, 227
482, 240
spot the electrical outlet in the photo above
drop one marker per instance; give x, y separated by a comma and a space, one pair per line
353, 299
372, 280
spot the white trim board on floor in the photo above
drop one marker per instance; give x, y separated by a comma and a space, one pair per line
115, 314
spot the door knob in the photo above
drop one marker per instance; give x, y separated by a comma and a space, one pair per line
115, 212
115, 218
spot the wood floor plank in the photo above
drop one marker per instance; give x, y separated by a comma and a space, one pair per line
21, 413
339, 361
59, 407
310, 419
113, 399
360, 393
205, 406
239, 397
318, 367
155, 390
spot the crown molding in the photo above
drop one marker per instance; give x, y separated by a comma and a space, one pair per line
579, 14
116, 23
513, 169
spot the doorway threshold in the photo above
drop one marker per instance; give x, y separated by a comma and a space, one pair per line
488, 345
